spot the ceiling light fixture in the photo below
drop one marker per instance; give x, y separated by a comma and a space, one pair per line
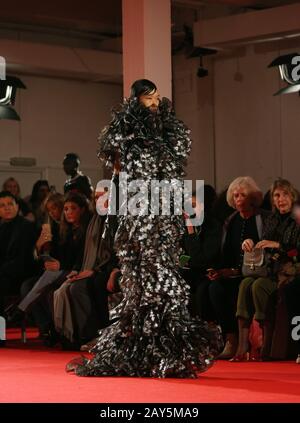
289, 69
8, 90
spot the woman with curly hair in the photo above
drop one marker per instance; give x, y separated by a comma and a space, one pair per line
246, 221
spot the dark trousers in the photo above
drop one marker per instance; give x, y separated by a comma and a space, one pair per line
89, 304
223, 295
202, 301
9, 286
200, 304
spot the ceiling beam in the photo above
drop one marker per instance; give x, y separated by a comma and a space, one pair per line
60, 61
252, 26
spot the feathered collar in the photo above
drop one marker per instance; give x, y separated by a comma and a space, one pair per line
136, 119
135, 124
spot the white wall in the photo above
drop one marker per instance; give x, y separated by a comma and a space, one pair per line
247, 120
57, 116
239, 127
193, 102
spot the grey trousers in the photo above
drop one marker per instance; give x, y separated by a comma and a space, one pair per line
48, 279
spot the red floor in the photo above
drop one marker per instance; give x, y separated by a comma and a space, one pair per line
31, 373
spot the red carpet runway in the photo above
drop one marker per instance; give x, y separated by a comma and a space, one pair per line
31, 373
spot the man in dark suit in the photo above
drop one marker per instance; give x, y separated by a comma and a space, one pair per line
17, 240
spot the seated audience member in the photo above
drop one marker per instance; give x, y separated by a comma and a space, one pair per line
80, 304
283, 308
49, 236
17, 239
247, 221
46, 245
76, 216
39, 193
202, 246
11, 185
77, 181
280, 234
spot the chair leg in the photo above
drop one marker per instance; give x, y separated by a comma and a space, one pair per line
23, 331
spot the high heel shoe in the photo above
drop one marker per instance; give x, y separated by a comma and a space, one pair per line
50, 338
229, 349
240, 357
255, 355
255, 358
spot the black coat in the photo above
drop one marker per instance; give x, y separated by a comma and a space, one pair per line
17, 241
204, 247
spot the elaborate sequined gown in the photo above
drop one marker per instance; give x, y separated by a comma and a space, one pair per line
154, 334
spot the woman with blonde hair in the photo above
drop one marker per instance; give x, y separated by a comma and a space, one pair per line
49, 237
247, 221
250, 189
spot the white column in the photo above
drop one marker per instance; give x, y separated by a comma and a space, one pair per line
147, 44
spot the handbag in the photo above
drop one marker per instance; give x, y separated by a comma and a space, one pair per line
255, 263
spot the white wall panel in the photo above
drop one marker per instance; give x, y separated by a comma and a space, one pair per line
58, 116
247, 120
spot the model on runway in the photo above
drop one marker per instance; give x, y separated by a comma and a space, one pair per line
153, 334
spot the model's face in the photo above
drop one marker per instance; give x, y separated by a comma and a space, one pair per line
8, 208
151, 100
282, 200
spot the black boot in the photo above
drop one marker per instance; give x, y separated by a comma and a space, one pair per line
14, 315
50, 338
